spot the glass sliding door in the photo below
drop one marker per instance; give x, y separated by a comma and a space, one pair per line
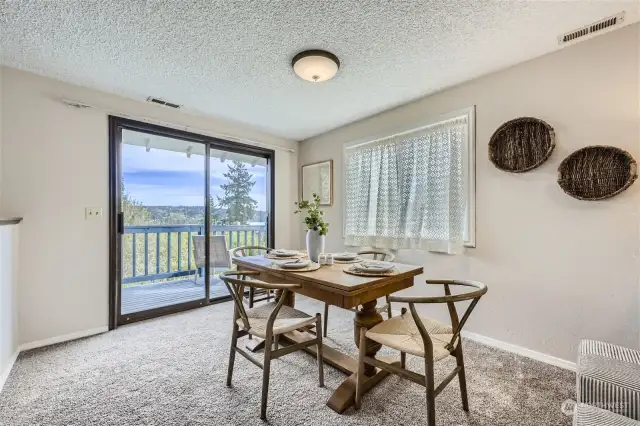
179, 203
238, 207
163, 213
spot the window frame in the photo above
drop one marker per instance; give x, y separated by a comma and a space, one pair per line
469, 162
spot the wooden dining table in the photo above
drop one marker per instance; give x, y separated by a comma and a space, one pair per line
330, 284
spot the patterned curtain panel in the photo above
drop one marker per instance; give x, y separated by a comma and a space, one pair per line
409, 191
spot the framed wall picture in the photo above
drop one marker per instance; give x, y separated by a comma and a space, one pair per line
318, 178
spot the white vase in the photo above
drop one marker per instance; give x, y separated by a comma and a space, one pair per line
315, 244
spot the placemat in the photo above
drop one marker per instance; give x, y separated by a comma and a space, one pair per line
295, 256
351, 270
312, 267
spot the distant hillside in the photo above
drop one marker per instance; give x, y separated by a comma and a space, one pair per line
173, 215
161, 212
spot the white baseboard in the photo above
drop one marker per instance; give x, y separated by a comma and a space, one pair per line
4, 375
64, 338
519, 350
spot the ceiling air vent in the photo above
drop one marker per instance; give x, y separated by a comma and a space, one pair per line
162, 102
596, 27
75, 104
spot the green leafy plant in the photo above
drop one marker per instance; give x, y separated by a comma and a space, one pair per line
314, 219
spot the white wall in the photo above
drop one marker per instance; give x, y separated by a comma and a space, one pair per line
1, 118
54, 163
8, 299
558, 269
8, 294
8, 284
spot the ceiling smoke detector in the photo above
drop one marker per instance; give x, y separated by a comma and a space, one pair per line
162, 102
596, 27
315, 65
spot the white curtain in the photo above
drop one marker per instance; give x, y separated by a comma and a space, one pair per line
409, 191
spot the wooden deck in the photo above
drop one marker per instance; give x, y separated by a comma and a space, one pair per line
143, 297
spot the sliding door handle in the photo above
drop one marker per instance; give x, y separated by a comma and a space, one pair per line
120, 224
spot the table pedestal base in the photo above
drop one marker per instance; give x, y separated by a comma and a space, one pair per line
344, 396
255, 344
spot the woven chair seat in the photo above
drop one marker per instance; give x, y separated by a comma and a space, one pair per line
401, 333
288, 319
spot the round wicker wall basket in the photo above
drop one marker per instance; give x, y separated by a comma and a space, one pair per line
597, 172
521, 144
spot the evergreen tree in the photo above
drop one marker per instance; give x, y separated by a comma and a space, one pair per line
237, 200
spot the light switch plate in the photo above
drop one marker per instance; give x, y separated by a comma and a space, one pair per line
92, 212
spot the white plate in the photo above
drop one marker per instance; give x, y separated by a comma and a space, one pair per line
374, 266
284, 253
295, 265
345, 256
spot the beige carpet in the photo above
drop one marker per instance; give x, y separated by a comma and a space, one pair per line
171, 371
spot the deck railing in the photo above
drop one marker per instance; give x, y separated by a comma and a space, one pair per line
159, 252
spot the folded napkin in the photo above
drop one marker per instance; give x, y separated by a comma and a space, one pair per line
373, 266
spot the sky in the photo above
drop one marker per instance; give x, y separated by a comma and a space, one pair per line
167, 178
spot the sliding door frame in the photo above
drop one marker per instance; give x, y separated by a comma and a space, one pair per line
116, 125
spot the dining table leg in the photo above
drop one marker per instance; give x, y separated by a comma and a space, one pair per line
368, 317
344, 395
291, 298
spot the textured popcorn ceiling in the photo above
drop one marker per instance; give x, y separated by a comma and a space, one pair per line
231, 59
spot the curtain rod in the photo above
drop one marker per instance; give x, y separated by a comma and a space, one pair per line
406, 132
464, 113
186, 128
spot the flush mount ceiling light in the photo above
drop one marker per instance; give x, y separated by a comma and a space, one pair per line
315, 65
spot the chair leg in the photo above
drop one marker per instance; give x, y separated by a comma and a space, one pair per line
319, 350
276, 342
251, 294
388, 306
360, 378
462, 378
232, 353
403, 359
431, 394
326, 319
265, 376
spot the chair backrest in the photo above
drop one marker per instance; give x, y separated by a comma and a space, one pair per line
479, 290
218, 253
249, 251
236, 282
378, 255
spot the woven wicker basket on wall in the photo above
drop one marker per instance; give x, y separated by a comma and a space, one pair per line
521, 144
597, 172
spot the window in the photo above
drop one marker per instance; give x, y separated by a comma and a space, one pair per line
415, 189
